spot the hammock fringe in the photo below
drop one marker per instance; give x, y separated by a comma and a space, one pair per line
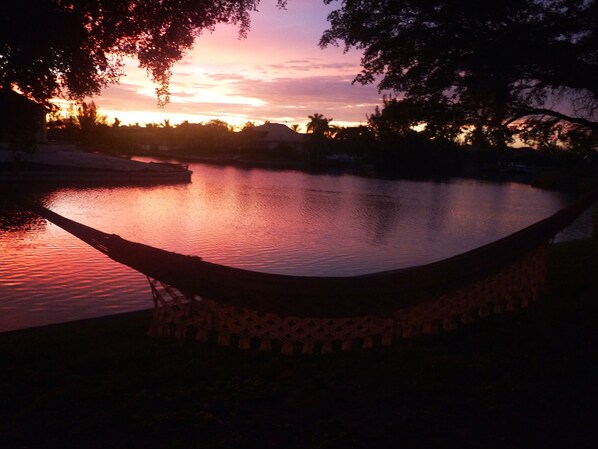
515, 286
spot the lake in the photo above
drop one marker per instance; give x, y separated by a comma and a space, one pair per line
274, 221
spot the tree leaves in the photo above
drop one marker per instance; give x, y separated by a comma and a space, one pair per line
51, 48
487, 65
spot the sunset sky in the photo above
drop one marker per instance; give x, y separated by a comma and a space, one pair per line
278, 73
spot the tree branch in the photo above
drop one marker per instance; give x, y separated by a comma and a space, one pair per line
542, 111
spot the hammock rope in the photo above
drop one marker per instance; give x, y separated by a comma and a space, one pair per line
196, 298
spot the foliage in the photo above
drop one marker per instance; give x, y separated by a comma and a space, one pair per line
319, 131
357, 141
486, 66
83, 125
318, 125
50, 48
248, 126
63, 129
88, 116
403, 116
412, 139
554, 134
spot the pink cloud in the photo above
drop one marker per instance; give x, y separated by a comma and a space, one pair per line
277, 73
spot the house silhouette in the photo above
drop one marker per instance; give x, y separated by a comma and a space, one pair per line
21, 120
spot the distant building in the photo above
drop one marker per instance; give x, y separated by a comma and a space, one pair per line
271, 136
21, 120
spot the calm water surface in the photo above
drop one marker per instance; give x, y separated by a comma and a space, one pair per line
274, 221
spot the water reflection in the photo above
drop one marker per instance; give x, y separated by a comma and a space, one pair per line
377, 216
17, 221
277, 221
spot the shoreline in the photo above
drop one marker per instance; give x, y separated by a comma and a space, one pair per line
64, 164
544, 178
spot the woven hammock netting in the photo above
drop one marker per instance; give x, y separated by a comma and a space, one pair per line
202, 300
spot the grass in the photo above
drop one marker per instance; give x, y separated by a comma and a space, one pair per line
525, 379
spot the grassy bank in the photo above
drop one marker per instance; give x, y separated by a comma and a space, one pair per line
514, 381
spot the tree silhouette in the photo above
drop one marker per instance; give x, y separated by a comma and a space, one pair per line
248, 126
400, 117
50, 48
318, 129
318, 125
92, 125
357, 141
494, 68
88, 115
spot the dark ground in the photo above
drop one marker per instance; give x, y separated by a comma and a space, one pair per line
521, 380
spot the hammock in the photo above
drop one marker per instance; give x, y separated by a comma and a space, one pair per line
194, 296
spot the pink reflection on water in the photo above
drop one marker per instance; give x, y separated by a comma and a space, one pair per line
283, 222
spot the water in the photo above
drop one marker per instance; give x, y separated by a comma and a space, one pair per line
274, 221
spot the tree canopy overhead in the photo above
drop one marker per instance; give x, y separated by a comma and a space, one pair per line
74, 48
494, 67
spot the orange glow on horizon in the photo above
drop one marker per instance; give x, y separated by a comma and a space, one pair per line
277, 74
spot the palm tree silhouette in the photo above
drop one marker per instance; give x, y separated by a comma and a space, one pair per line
318, 124
318, 129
